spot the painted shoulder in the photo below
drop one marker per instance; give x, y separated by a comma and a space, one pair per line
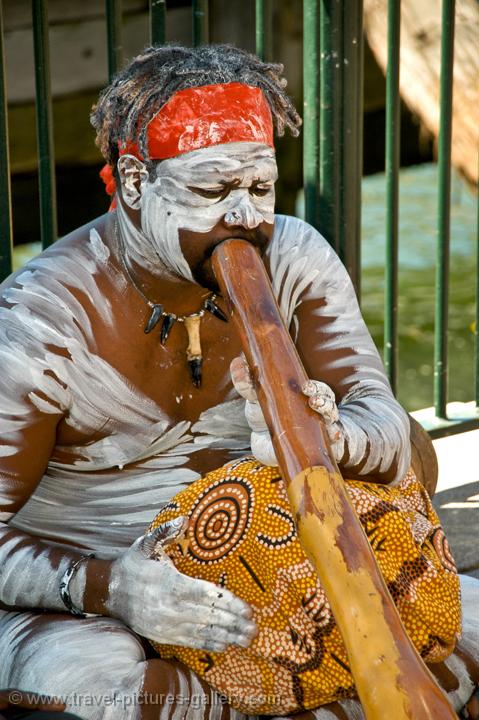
303, 264
52, 292
289, 227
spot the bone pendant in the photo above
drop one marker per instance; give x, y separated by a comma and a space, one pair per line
193, 351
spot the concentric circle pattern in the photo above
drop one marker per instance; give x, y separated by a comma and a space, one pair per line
219, 520
242, 537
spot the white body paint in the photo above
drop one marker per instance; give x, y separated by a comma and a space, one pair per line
167, 203
158, 602
101, 495
84, 497
114, 663
304, 267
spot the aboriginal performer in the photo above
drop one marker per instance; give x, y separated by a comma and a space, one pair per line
117, 402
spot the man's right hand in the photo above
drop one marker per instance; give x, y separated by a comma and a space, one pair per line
157, 601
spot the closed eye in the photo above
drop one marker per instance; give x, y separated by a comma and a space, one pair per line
211, 193
260, 191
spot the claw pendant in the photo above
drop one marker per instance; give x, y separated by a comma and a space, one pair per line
156, 313
168, 322
213, 308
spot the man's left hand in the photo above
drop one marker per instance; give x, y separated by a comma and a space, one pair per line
321, 400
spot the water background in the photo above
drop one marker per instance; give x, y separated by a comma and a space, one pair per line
417, 248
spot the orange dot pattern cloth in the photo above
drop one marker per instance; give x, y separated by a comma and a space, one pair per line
242, 536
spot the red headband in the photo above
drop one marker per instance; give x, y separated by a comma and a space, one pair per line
208, 115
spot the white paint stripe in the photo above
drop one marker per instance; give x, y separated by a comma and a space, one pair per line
167, 203
459, 697
352, 708
112, 659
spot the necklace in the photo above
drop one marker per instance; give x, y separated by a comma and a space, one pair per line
192, 322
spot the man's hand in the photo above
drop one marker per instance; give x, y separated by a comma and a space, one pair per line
321, 400
165, 606
20, 699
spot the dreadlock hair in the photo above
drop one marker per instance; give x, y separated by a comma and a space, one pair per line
137, 92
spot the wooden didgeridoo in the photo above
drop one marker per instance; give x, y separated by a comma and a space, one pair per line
390, 677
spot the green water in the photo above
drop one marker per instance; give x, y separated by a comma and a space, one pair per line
418, 210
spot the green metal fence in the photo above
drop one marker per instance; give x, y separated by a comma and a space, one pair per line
332, 146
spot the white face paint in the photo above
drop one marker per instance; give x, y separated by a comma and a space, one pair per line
190, 192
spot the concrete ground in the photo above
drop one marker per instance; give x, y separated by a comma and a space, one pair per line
457, 497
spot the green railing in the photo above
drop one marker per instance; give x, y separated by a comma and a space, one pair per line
332, 147
6, 231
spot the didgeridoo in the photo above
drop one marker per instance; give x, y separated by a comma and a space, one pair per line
390, 677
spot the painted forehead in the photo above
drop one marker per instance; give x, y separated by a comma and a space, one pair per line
226, 162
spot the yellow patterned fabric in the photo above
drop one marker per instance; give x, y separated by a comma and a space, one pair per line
242, 536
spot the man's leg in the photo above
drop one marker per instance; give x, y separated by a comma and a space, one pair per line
100, 669
90, 660
84, 660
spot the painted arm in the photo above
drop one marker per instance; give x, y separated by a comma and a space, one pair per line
45, 337
370, 430
149, 595
372, 438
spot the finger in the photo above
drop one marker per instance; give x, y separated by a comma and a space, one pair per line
202, 592
325, 406
254, 417
242, 379
263, 449
209, 637
219, 635
334, 432
17, 698
316, 387
221, 619
188, 635
162, 535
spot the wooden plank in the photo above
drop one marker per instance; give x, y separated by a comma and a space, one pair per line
18, 13
73, 136
78, 53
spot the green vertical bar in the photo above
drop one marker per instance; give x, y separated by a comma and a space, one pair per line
46, 154
114, 33
477, 302
350, 138
264, 29
157, 22
201, 22
330, 89
6, 233
392, 192
311, 110
444, 215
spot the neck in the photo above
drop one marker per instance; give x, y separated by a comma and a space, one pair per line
136, 247
148, 274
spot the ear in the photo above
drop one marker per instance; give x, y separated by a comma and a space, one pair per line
133, 175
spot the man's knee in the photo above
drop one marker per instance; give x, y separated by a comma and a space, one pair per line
61, 656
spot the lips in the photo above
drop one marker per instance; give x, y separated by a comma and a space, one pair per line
255, 237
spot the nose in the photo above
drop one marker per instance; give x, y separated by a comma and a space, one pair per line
243, 215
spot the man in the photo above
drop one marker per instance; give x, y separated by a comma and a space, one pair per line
116, 390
